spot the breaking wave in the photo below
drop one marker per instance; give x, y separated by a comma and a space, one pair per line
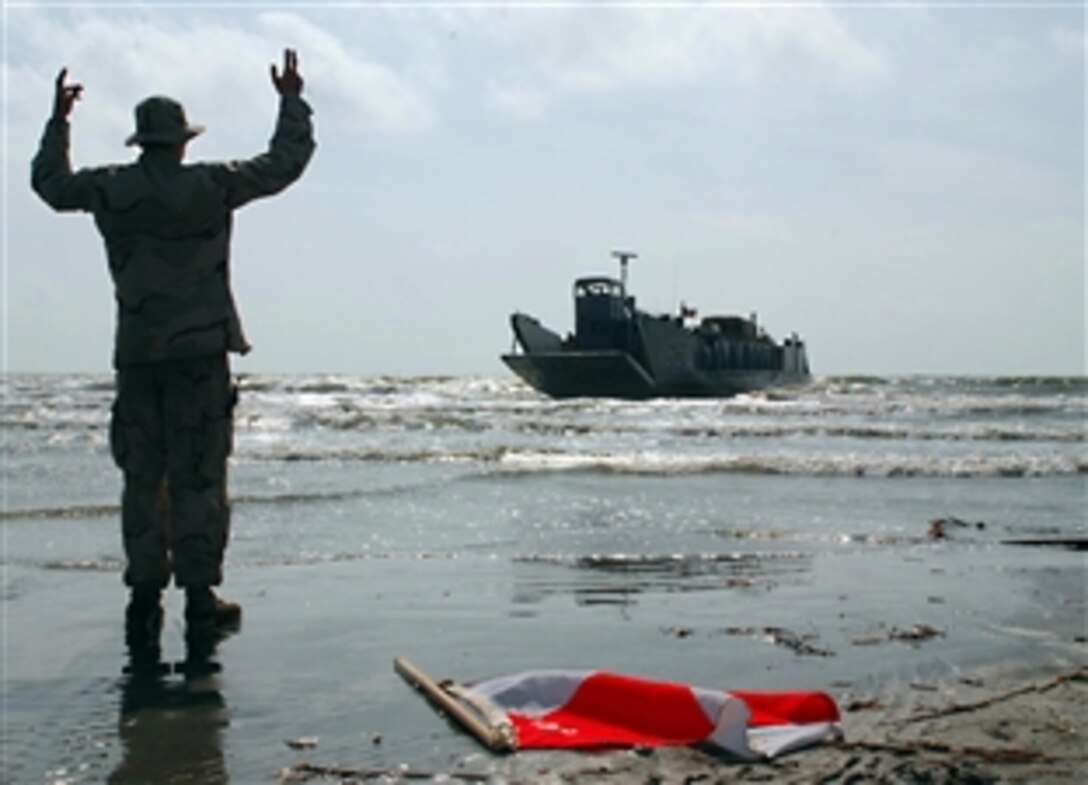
522, 461
798, 465
848, 426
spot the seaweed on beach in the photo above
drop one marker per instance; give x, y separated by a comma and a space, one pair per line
799, 644
914, 634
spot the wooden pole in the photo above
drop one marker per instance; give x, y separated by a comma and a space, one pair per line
495, 739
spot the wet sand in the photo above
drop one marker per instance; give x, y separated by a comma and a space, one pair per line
307, 692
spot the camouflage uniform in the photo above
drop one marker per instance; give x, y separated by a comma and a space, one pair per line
166, 227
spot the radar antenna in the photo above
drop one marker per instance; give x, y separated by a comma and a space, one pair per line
624, 257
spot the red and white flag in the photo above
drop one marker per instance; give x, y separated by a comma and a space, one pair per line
571, 709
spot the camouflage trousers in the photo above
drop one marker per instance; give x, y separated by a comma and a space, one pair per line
170, 433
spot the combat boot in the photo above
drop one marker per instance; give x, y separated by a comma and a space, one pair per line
143, 623
207, 615
208, 620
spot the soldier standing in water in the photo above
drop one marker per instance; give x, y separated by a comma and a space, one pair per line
166, 226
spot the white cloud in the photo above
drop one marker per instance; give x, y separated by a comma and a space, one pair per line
964, 180
583, 50
515, 100
371, 96
218, 67
1068, 41
821, 41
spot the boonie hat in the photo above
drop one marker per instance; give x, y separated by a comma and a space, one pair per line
161, 120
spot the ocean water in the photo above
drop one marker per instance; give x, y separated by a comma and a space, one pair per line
334, 467
409, 428
777, 538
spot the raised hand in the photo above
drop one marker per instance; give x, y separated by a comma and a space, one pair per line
64, 96
290, 81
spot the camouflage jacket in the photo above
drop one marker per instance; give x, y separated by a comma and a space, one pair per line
167, 226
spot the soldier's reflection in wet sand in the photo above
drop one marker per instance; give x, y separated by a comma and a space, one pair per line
172, 716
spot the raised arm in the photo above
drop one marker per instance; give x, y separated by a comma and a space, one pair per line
289, 150
51, 174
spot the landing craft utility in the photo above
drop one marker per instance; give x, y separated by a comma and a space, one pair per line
618, 351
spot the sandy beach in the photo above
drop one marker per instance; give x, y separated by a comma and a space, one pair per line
1008, 730
1029, 733
307, 693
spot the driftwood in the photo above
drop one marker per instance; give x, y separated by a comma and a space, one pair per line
497, 738
304, 772
960, 708
1072, 543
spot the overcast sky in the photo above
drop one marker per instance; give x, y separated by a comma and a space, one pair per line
903, 186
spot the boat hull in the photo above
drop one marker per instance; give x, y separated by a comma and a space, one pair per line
616, 374
570, 374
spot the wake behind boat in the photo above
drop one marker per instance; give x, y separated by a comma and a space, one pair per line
618, 351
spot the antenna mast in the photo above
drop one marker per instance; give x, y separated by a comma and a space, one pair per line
624, 257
